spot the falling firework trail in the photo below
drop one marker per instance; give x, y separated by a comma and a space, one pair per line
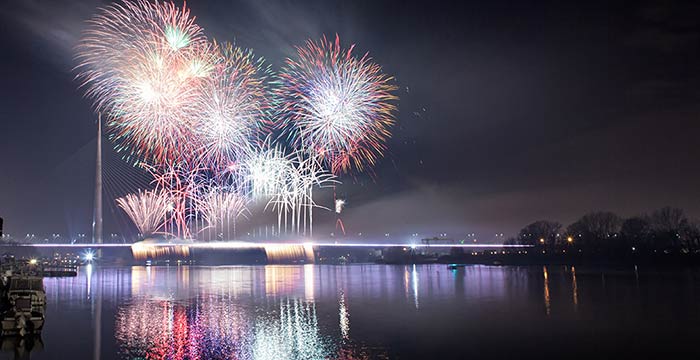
221, 207
287, 182
147, 209
339, 205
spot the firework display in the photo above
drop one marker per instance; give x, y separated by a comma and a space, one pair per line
147, 209
232, 107
268, 171
142, 63
287, 181
337, 105
220, 210
200, 115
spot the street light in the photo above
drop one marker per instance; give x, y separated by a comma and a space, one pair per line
89, 256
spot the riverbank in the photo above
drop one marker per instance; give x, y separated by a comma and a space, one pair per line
538, 258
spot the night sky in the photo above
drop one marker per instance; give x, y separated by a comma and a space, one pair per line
510, 111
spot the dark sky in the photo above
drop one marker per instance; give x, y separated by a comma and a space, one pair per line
510, 111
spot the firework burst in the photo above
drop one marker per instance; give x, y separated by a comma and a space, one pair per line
183, 183
336, 105
142, 62
232, 107
147, 209
266, 171
194, 113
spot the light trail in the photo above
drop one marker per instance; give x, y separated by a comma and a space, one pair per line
251, 245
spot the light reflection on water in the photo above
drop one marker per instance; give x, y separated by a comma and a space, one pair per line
170, 325
207, 313
210, 327
352, 312
547, 304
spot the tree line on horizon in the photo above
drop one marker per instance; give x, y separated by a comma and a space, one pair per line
664, 230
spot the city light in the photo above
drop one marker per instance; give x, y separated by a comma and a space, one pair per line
88, 256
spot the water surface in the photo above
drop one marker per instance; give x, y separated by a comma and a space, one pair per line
367, 312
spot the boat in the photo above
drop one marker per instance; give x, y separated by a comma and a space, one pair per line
22, 347
22, 304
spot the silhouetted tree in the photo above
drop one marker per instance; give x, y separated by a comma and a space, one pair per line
690, 236
593, 229
667, 224
668, 219
541, 232
635, 231
666, 230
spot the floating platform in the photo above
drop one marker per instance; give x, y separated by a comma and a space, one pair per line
59, 273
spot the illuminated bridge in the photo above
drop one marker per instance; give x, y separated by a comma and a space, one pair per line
274, 251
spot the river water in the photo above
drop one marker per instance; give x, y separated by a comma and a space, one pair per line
367, 312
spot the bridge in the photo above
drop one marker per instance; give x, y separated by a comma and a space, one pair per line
274, 252
257, 245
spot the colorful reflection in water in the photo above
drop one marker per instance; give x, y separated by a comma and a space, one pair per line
160, 321
300, 311
214, 328
291, 333
366, 312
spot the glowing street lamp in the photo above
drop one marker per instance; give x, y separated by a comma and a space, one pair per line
89, 256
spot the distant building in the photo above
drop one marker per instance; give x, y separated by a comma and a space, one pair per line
0, 227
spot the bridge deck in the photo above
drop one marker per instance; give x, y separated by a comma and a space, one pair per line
246, 245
